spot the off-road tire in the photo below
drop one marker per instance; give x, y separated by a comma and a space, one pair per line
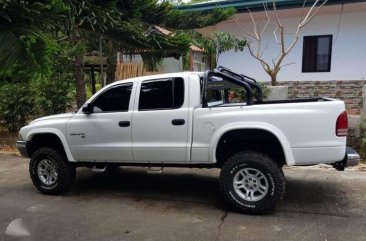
262, 163
66, 172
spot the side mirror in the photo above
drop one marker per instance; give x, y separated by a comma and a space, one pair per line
87, 109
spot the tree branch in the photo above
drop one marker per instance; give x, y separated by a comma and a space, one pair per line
275, 10
287, 64
275, 35
311, 17
279, 35
280, 26
254, 24
265, 66
302, 11
242, 29
268, 19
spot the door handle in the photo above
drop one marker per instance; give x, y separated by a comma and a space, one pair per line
124, 123
178, 122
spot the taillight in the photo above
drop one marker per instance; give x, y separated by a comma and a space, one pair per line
342, 124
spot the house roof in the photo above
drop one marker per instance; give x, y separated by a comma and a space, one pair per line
195, 48
255, 5
163, 30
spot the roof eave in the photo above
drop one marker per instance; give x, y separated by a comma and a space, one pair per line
256, 5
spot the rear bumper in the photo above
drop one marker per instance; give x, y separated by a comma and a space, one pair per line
22, 148
351, 159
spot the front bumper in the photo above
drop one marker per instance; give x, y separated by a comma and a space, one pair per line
351, 159
22, 148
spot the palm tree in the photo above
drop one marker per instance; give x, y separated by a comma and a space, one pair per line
23, 41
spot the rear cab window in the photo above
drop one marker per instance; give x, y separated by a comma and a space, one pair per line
161, 94
221, 92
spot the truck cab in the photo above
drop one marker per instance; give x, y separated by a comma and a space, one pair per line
152, 111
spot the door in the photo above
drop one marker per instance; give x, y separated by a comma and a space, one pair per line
160, 121
105, 134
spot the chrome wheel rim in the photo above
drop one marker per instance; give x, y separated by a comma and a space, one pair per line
47, 171
250, 184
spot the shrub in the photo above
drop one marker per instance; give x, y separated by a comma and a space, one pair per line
17, 104
240, 94
54, 96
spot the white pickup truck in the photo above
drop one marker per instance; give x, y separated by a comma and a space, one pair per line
189, 120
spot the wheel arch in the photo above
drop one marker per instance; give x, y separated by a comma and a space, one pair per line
269, 129
55, 136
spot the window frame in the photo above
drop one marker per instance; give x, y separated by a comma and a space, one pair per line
172, 79
329, 55
112, 87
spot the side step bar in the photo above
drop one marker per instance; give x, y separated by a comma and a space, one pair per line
99, 168
351, 159
152, 170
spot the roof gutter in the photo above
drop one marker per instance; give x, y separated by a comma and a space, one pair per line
255, 5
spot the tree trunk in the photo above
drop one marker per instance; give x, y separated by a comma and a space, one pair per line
273, 79
80, 81
111, 63
79, 70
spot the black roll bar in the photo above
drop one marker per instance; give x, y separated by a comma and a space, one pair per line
252, 82
238, 81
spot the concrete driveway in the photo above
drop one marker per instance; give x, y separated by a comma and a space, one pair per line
181, 204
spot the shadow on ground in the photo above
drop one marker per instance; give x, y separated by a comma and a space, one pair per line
201, 187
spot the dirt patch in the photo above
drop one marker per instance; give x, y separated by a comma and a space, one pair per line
9, 150
8, 138
359, 167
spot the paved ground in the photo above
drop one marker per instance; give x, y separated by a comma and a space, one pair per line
130, 204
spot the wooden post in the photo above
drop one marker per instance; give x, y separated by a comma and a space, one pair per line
92, 79
191, 60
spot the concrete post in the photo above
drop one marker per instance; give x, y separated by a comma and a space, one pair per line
277, 93
363, 110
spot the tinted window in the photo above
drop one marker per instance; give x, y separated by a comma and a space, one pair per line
214, 95
221, 89
162, 94
178, 92
114, 99
317, 53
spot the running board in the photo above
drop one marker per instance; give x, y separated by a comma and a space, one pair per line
155, 170
99, 168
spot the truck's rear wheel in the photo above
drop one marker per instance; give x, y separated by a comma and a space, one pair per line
252, 182
50, 172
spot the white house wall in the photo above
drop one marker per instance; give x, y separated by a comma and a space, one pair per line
348, 50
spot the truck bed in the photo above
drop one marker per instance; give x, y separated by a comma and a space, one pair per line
268, 102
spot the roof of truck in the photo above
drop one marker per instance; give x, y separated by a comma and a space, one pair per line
158, 76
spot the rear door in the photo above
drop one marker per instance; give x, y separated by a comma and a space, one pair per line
160, 121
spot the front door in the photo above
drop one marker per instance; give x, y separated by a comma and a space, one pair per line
105, 134
160, 121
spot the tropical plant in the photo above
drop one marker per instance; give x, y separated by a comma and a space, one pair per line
26, 95
218, 43
240, 94
137, 33
31, 31
23, 41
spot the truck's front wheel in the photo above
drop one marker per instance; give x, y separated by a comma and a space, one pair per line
50, 172
252, 182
